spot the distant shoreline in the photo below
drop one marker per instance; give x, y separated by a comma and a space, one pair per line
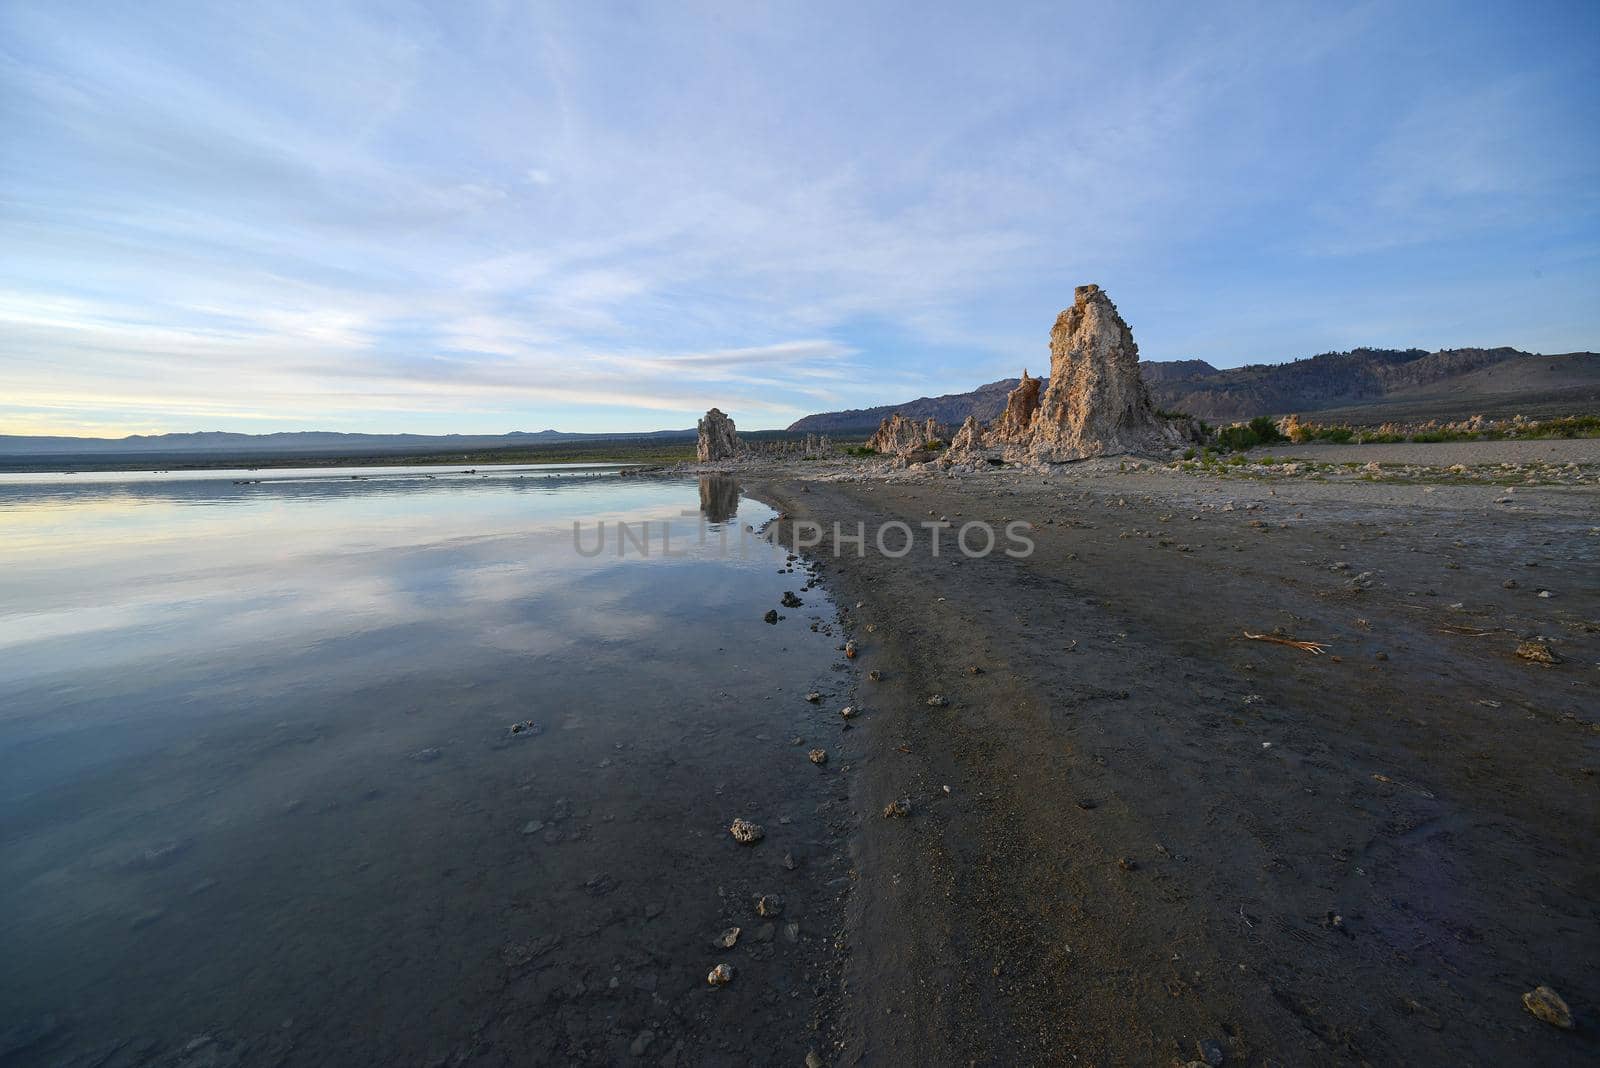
575, 453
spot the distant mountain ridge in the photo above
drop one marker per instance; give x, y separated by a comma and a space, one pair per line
1328, 380
308, 441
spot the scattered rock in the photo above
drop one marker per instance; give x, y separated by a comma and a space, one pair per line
814, 697
938, 700
897, 809
769, 905
1548, 1006
849, 650
746, 833
1211, 1052
974, 670
875, 675
790, 600
818, 756
848, 711
789, 862
813, 1058
727, 939
533, 827
1537, 651
721, 975
1128, 864
771, 616
528, 727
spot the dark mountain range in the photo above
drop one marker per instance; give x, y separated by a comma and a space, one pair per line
1452, 383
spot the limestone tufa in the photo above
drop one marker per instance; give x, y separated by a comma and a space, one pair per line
718, 441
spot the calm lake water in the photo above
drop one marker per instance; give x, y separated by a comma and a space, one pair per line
261, 801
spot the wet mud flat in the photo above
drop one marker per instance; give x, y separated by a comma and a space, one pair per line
1139, 837
489, 828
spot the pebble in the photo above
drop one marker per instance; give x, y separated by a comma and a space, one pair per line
814, 697
727, 939
875, 675
818, 756
1548, 1006
1538, 652
746, 833
769, 905
848, 711
771, 616
900, 808
721, 975
938, 700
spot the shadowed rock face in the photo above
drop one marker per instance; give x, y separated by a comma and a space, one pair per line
717, 438
1015, 424
1096, 402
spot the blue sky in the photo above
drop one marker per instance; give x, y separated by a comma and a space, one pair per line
482, 217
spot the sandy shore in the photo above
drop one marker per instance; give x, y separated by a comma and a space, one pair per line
1162, 839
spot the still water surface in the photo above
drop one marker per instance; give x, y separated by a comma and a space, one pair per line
260, 802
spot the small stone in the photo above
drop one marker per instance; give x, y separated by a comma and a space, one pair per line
791, 932
814, 697
938, 700
849, 650
1211, 1052
1548, 1006
1546, 594
727, 939
848, 711
1537, 651
533, 827
721, 975
814, 1059
818, 756
771, 616
769, 905
789, 862
746, 833
790, 600
974, 670
1509, 584
897, 809
1128, 864
875, 675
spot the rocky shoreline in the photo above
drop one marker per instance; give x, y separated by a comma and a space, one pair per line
1134, 834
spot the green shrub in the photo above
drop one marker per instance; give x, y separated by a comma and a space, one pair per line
1188, 454
1266, 430
1237, 438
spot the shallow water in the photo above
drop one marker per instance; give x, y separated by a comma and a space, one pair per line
260, 802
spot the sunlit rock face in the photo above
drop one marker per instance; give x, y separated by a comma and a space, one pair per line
899, 436
1096, 403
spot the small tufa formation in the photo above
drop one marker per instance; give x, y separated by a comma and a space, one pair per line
717, 439
1015, 425
967, 442
899, 437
